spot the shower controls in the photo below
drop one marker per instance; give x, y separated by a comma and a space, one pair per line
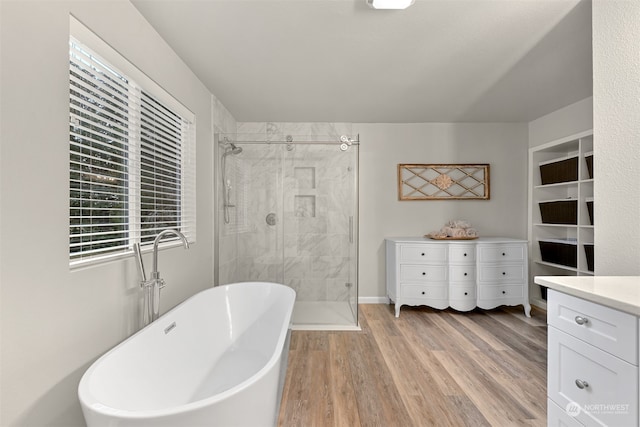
271, 219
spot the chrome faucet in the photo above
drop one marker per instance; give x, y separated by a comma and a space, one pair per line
151, 287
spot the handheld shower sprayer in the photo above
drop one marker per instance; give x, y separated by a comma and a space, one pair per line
230, 148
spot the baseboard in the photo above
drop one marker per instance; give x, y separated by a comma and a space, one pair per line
373, 300
539, 304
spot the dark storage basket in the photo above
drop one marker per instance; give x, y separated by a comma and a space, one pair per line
559, 171
559, 212
588, 251
589, 159
560, 253
590, 210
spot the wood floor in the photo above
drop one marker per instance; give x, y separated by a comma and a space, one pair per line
426, 368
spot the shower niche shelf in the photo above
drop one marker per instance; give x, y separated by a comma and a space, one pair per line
305, 206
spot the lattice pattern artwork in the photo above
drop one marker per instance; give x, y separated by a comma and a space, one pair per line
443, 182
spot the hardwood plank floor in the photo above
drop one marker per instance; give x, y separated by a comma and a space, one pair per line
426, 368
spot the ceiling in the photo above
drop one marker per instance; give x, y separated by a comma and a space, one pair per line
341, 61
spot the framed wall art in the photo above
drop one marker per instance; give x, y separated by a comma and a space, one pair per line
443, 182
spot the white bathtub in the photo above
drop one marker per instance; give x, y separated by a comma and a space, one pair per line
217, 359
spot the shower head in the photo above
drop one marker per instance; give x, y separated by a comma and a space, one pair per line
232, 149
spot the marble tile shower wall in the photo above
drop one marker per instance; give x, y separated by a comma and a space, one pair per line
308, 248
272, 131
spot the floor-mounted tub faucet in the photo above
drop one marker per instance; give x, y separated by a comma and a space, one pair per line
151, 287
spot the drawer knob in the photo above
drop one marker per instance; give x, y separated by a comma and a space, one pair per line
465, 254
465, 274
424, 274
504, 292
503, 254
423, 292
582, 384
581, 320
466, 293
422, 254
504, 273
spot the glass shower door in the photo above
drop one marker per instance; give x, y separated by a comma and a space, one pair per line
288, 214
320, 235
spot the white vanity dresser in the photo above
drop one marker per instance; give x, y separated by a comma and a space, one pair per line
463, 274
593, 350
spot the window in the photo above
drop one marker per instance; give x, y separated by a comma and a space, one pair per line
132, 155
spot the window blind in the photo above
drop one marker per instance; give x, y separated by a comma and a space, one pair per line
132, 160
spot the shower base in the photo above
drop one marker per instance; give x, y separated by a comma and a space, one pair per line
323, 316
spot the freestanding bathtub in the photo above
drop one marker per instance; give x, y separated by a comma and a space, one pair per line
217, 359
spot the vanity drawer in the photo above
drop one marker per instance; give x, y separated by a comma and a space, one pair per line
514, 273
433, 253
438, 292
490, 292
462, 298
463, 293
496, 253
462, 273
609, 329
423, 273
594, 379
460, 254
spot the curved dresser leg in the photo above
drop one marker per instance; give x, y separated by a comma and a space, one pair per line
397, 310
527, 310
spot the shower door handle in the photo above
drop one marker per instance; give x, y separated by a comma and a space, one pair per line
351, 229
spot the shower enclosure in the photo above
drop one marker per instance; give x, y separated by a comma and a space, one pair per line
288, 213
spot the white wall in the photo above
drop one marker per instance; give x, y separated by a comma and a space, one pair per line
383, 146
616, 92
570, 120
55, 322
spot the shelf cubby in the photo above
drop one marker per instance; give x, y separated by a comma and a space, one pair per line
561, 209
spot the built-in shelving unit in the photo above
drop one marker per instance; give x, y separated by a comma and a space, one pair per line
560, 210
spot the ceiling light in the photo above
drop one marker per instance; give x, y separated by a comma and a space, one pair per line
390, 4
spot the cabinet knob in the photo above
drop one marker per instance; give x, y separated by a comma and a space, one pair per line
424, 274
423, 292
582, 384
465, 254
504, 292
465, 274
581, 320
422, 254
466, 293
503, 254
504, 273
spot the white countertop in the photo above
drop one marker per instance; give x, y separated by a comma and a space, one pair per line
478, 240
619, 292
